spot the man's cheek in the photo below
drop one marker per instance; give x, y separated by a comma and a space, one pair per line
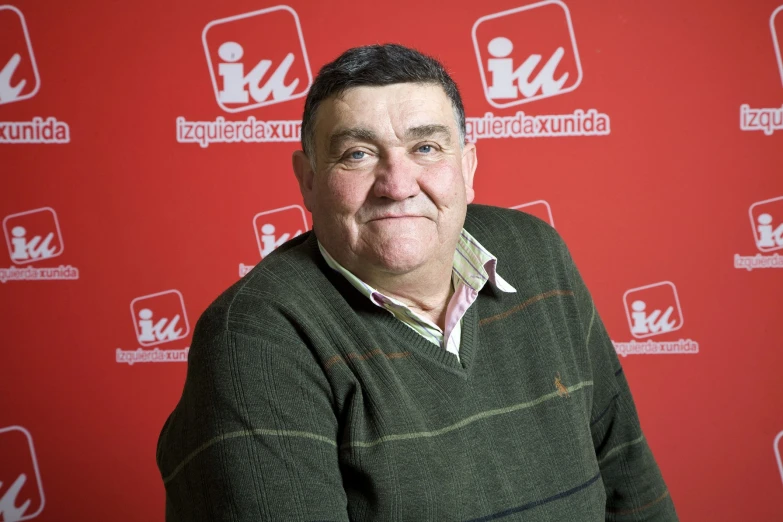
349, 195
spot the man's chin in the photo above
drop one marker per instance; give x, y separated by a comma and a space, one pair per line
399, 262
397, 267
398, 256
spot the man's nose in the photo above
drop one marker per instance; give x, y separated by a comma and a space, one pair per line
396, 177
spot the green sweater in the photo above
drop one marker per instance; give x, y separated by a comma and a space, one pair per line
304, 401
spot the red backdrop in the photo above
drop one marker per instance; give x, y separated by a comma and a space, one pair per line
649, 133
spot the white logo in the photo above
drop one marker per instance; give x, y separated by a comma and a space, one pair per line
540, 209
766, 218
275, 227
263, 81
508, 75
255, 59
777, 447
235, 81
768, 119
528, 54
19, 80
269, 240
767, 237
509, 83
25, 251
157, 318
766, 221
160, 318
27, 86
162, 331
776, 38
33, 235
646, 323
653, 309
23, 498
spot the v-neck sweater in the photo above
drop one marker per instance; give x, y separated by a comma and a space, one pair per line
304, 401
472, 267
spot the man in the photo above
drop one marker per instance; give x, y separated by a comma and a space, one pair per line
381, 367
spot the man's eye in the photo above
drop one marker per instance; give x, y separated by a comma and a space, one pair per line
357, 154
426, 149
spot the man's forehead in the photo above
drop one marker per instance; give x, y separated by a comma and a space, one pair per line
424, 89
406, 104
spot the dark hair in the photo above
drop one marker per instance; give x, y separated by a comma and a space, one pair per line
376, 65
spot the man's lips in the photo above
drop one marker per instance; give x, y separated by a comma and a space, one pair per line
394, 216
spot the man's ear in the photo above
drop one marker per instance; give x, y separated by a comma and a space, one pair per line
304, 175
469, 164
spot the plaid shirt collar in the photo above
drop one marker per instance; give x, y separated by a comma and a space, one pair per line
473, 265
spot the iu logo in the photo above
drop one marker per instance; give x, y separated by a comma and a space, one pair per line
160, 318
21, 492
275, 227
257, 59
766, 218
527, 53
18, 73
776, 26
540, 209
33, 235
653, 309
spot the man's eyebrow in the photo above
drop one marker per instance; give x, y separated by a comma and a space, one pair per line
427, 131
352, 133
418, 132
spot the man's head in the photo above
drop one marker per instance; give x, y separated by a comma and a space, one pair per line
385, 170
376, 65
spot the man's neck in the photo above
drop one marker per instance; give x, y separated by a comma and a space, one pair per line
428, 297
425, 290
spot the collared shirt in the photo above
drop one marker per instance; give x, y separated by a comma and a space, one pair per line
472, 267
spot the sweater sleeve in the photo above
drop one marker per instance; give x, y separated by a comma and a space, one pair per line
635, 490
254, 436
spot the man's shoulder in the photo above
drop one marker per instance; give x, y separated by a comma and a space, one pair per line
529, 251
259, 302
497, 225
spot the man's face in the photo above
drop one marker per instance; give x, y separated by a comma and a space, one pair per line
391, 182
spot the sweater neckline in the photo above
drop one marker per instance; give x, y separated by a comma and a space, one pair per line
422, 347
419, 345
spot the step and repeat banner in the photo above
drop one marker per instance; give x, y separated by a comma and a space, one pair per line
145, 156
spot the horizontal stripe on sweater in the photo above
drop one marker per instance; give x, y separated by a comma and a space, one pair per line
368, 444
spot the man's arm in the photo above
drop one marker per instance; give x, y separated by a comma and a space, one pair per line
254, 436
635, 489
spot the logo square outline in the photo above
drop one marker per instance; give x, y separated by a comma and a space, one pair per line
8, 237
35, 468
776, 41
273, 211
536, 202
33, 63
645, 287
508, 12
753, 223
248, 15
157, 294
